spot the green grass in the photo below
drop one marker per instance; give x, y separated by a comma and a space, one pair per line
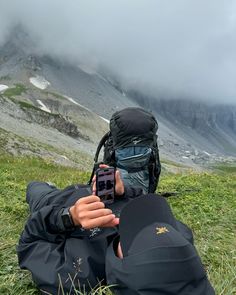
26, 105
15, 91
206, 202
226, 168
172, 163
15, 173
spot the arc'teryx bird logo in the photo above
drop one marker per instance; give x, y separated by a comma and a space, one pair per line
161, 230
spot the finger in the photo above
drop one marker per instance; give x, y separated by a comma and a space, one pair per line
89, 199
100, 221
94, 188
112, 223
94, 185
103, 166
98, 213
94, 206
91, 206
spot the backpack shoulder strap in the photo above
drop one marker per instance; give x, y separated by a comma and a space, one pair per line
100, 145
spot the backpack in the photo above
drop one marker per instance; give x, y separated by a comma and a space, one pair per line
131, 146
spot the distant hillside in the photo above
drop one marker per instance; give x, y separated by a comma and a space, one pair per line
66, 108
65, 133
206, 126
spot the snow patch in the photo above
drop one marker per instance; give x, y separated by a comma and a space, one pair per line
75, 102
39, 82
108, 121
3, 87
43, 107
72, 100
206, 153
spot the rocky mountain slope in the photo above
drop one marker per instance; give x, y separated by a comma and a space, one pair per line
57, 110
205, 126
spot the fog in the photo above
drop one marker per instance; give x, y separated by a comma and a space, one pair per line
181, 48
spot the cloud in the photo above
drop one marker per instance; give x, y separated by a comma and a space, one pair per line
173, 48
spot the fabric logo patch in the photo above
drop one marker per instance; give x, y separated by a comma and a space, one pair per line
161, 230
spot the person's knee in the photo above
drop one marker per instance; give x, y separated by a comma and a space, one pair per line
34, 188
31, 184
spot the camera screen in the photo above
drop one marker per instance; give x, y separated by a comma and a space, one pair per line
105, 180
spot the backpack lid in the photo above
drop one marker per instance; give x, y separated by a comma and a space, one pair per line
133, 126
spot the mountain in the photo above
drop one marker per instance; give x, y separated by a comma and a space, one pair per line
51, 108
207, 126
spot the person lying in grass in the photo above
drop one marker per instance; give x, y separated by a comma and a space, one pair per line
71, 233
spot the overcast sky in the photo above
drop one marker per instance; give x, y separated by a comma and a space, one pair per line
178, 47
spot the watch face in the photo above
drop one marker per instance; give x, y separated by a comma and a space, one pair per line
66, 219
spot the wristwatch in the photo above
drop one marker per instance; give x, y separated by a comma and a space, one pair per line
67, 219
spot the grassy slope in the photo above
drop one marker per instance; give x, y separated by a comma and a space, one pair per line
208, 205
206, 202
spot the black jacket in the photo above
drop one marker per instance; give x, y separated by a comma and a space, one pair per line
65, 260
56, 257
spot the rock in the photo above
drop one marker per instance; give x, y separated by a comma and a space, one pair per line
56, 121
176, 143
32, 63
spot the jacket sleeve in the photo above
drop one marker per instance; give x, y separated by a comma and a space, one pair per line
44, 224
53, 258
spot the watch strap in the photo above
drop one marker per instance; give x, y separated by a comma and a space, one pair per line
66, 218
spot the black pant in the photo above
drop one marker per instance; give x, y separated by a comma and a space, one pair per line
40, 194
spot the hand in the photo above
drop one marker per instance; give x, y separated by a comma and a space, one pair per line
119, 188
90, 212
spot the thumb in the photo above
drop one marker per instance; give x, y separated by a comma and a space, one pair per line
118, 176
119, 184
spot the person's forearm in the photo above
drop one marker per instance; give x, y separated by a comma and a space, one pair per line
38, 226
44, 224
55, 223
